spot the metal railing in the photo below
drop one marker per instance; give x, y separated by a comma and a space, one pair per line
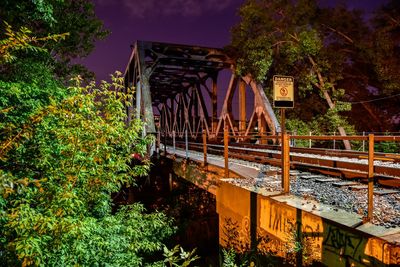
285, 152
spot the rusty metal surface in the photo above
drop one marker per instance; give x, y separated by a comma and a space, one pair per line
326, 152
350, 170
177, 81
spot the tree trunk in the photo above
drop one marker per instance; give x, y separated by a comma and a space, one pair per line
328, 99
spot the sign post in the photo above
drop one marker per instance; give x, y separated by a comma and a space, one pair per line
283, 90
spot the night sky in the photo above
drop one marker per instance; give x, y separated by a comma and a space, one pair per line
194, 22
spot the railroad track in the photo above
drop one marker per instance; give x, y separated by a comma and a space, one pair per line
389, 157
339, 163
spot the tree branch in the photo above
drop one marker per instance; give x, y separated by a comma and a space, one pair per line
339, 33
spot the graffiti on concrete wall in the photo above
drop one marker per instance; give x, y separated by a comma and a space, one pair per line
282, 229
344, 242
395, 256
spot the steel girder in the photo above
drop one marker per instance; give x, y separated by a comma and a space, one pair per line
180, 83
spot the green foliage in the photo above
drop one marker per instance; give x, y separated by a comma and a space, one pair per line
40, 10
383, 49
310, 43
27, 88
306, 44
297, 244
44, 10
387, 146
298, 127
57, 180
326, 124
256, 59
323, 48
178, 257
23, 40
229, 259
76, 17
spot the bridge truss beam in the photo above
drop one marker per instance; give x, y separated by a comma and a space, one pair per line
180, 83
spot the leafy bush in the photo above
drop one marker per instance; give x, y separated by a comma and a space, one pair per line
57, 178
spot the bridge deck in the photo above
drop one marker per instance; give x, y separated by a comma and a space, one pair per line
275, 215
253, 173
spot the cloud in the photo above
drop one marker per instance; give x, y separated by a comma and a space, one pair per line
184, 8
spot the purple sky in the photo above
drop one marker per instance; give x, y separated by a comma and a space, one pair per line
196, 22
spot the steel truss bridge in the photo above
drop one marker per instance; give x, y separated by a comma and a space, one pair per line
180, 83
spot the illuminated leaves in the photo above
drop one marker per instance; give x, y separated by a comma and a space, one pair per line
256, 59
302, 40
55, 195
23, 40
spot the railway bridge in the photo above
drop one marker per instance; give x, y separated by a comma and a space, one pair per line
181, 83
219, 131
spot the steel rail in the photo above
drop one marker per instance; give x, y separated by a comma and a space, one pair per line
350, 170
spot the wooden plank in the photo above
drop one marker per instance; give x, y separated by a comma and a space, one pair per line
376, 158
358, 187
305, 190
272, 182
306, 177
326, 180
345, 183
385, 192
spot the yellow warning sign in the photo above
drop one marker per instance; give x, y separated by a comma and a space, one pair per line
283, 91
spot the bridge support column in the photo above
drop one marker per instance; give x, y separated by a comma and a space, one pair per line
186, 144
158, 141
226, 144
173, 113
262, 128
138, 101
165, 142
214, 101
173, 141
148, 116
242, 107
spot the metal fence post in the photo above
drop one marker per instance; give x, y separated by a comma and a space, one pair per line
158, 141
309, 142
334, 141
173, 141
186, 144
226, 150
294, 140
370, 176
205, 147
363, 143
285, 164
165, 143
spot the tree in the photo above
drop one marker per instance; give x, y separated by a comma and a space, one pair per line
313, 44
385, 44
76, 17
22, 40
27, 85
382, 53
57, 184
63, 151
